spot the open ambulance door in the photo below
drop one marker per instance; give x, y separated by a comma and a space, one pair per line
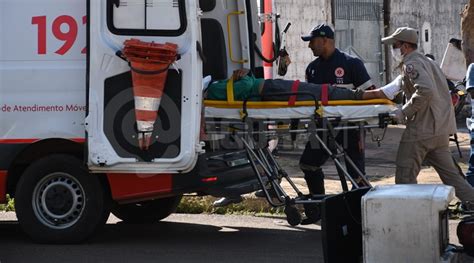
113, 136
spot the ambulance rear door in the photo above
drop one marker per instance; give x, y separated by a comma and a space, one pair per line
113, 124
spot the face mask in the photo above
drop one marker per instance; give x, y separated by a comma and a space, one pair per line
397, 55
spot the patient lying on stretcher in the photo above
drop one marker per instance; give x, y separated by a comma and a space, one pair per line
246, 86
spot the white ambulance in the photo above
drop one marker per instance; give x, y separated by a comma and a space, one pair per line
68, 140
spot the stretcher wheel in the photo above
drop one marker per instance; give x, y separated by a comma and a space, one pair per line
293, 216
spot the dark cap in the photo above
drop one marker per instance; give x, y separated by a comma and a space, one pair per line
321, 30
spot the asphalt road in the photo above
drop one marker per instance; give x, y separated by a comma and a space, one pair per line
180, 238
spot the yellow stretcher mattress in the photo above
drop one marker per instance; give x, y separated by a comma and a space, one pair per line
367, 110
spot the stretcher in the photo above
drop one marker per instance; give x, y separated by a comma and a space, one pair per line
254, 123
352, 111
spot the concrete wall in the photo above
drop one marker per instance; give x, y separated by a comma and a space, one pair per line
360, 36
365, 44
440, 17
303, 15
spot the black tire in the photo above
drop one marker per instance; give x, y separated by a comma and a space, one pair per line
58, 201
147, 212
293, 216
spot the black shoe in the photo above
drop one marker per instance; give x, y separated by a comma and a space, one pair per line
313, 214
309, 221
261, 193
225, 201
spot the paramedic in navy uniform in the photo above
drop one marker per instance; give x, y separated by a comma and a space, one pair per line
332, 66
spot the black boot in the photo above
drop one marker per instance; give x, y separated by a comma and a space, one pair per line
315, 182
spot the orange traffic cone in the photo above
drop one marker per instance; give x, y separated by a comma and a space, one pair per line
149, 63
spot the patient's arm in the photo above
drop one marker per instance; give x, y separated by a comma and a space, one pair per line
373, 94
388, 91
240, 73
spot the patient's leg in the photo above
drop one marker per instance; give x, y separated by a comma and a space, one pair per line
271, 87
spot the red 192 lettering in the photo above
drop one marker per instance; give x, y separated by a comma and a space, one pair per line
68, 36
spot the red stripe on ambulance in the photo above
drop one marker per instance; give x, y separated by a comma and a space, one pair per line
3, 186
138, 186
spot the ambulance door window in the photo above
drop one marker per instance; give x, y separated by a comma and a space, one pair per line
165, 15
146, 17
129, 15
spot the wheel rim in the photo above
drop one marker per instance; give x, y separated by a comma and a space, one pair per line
58, 200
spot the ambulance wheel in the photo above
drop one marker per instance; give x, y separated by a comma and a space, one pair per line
147, 212
58, 201
293, 216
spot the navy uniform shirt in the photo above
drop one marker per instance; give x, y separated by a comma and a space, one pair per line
340, 69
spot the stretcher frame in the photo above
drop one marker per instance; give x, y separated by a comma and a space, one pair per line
254, 133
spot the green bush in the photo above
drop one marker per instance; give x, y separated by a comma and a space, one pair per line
9, 206
199, 205
202, 204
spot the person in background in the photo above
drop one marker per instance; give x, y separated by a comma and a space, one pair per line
470, 123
